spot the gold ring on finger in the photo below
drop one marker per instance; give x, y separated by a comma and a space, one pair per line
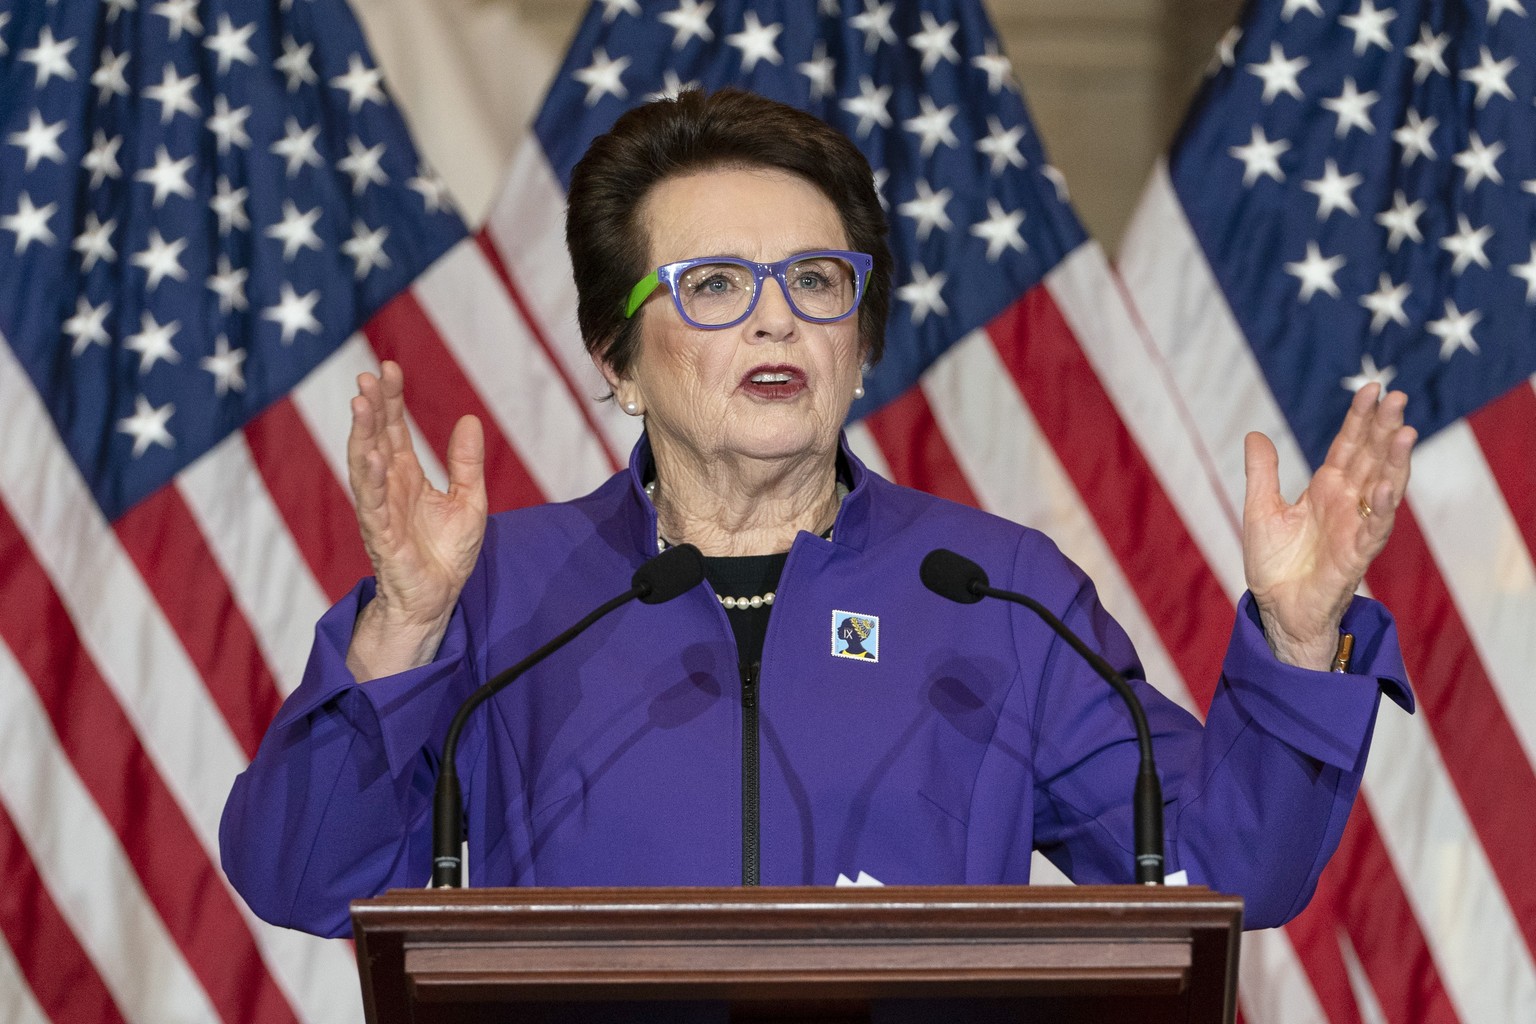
1364, 508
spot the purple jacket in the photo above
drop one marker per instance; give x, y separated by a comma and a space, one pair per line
971, 736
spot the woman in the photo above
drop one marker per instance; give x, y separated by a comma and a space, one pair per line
733, 280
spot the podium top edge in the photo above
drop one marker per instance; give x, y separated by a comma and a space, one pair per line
681, 899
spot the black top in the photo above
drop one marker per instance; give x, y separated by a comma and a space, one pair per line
746, 576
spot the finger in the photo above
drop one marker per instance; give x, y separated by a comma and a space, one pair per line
370, 493
1384, 457
370, 454
392, 387
1399, 461
466, 461
1386, 419
1261, 467
364, 437
1355, 429
1376, 526
1385, 493
368, 474
1389, 419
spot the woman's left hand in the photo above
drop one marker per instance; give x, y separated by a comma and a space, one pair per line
1305, 560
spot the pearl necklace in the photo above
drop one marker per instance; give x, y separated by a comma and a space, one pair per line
741, 603
738, 603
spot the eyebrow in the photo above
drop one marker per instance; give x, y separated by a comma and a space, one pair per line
793, 251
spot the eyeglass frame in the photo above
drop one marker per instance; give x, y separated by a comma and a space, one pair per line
668, 273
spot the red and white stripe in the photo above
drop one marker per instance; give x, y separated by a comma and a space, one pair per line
525, 235
1437, 916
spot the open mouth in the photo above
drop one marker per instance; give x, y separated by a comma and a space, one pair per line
774, 381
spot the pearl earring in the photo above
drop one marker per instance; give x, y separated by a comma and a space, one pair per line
858, 392
633, 408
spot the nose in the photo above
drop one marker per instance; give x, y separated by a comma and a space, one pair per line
774, 318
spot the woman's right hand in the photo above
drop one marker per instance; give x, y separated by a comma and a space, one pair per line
423, 542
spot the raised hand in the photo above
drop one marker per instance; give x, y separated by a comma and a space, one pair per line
423, 542
1304, 561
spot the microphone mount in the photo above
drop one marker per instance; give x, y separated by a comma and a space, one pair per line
668, 575
959, 579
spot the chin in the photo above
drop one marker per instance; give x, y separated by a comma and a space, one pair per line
781, 442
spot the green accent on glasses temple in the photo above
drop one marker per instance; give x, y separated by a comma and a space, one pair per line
640, 292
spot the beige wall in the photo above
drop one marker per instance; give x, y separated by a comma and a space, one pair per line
1107, 80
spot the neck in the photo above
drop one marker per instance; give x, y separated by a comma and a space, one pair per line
745, 506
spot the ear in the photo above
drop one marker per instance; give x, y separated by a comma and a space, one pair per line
624, 389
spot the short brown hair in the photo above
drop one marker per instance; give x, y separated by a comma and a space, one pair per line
694, 132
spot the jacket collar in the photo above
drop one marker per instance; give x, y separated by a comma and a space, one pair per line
849, 529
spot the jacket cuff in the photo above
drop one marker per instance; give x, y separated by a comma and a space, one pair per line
1325, 715
326, 673
401, 710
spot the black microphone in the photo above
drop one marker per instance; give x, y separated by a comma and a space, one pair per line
670, 574
675, 571
960, 579
953, 576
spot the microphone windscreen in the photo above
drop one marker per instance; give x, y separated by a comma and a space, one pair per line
950, 575
673, 572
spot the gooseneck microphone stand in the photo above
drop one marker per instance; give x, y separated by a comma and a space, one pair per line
960, 579
671, 573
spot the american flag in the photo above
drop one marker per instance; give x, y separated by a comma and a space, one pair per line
199, 204
1353, 198
169, 542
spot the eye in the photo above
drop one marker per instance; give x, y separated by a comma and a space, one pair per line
818, 275
715, 280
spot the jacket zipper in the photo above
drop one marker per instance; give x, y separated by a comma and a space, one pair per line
751, 839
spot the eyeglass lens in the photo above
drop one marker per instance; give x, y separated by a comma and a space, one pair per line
820, 287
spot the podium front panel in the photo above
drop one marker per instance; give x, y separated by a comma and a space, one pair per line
983, 953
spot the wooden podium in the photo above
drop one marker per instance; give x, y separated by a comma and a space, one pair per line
953, 953
1149, 955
